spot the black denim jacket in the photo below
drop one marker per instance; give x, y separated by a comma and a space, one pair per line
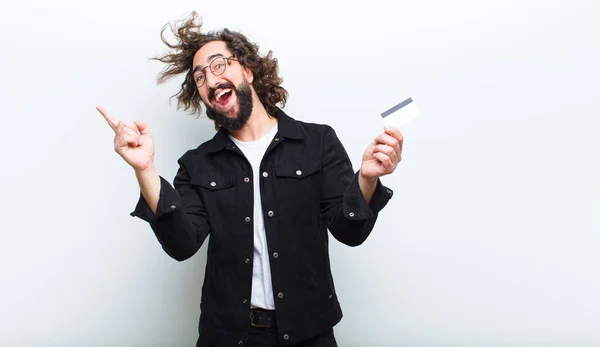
307, 187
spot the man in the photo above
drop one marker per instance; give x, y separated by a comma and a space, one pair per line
266, 188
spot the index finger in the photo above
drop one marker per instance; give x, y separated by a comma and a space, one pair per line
113, 123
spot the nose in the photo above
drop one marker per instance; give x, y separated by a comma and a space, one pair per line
211, 80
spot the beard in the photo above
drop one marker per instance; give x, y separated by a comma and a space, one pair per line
244, 101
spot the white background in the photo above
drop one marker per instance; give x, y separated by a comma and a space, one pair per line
492, 237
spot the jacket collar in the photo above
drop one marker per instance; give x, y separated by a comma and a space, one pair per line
288, 127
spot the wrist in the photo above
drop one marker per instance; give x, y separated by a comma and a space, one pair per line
146, 172
365, 180
367, 186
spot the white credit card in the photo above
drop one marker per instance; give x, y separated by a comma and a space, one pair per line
401, 114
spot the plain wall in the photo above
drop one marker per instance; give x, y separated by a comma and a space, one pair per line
491, 239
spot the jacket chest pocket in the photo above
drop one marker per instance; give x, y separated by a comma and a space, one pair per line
216, 190
299, 178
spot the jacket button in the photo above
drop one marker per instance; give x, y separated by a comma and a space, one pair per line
299, 172
212, 184
240, 343
280, 295
247, 219
270, 213
265, 174
173, 207
275, 255
247, 261
351, 214
245, 301
246, 179
286, 337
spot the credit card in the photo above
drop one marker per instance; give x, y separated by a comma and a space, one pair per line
401, 114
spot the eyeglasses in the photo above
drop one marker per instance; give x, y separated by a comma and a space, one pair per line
217, 67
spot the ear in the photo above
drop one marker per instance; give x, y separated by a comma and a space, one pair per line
249, 75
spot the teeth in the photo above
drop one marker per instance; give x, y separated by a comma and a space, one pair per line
222, 93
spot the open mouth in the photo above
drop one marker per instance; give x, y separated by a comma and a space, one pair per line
223, 97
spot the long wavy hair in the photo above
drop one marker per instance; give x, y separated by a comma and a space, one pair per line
189, 39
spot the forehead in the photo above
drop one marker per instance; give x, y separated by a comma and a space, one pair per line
209, 51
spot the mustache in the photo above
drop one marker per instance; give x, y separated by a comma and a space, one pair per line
211, 91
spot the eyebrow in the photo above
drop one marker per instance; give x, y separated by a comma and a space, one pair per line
210, 58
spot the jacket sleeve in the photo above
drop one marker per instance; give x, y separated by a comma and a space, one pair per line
348, 216
180, 222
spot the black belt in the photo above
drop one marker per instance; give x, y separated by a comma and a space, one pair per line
262, 318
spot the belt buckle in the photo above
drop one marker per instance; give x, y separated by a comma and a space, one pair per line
254, 324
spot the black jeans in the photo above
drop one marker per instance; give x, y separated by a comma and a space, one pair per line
267, 337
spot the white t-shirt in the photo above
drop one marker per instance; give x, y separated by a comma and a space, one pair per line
262, 287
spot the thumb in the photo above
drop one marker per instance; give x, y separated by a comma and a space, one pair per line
142, 127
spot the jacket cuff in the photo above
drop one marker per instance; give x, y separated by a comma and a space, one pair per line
168, 201
355, 205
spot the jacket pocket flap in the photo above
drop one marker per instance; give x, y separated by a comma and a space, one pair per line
213, 180
297, 169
